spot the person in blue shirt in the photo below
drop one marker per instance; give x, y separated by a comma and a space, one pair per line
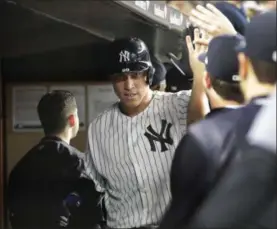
221, 83
196, 169
45, 188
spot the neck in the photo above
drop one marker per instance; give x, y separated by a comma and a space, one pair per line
133, 111
224, 104
236, 3
258, 89
217, 102
64, 136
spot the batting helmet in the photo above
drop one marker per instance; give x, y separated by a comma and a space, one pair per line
130, 55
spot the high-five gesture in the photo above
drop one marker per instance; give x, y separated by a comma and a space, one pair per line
195, 48
211, 20
198, 103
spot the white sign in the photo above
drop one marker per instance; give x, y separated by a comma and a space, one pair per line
79, 93
143, 4
100, 97
176, 19
25, 101
160, 11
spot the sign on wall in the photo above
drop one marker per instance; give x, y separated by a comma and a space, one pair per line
25, 101
100, 97
80, 95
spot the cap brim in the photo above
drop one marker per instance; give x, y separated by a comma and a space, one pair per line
202, 57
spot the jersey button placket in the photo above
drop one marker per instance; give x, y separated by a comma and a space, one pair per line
132, 152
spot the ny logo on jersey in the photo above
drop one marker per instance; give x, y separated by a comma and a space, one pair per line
124, 56
159, 137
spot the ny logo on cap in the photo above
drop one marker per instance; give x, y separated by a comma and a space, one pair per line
236, 78
124, 56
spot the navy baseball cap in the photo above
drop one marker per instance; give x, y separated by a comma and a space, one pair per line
260, 38
221, 59
236, 15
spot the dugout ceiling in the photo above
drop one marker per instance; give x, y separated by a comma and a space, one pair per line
62, 39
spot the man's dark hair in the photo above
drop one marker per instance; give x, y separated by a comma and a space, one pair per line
264, 71
53, 110
228, 91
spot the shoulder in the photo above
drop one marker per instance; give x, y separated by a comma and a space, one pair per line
63, 153
103, 116
177, 97
190, 150
161, 94
225, 120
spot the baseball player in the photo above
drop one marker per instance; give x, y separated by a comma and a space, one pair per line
131, 144
221, 82
252, 170
257, 63
235, 12
257, 68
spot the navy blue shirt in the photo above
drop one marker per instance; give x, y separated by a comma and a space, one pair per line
192, 170
42, 180
198, 160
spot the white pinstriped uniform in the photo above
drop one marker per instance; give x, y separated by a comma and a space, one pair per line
136, 180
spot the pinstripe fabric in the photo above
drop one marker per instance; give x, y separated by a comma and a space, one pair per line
120, 161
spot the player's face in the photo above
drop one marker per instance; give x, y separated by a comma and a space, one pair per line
130, 88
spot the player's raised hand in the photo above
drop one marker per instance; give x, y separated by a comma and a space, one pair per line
195, 48
210, 19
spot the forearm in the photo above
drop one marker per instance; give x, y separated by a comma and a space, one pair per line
198, 104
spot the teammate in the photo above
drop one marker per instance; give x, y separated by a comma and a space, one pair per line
257, 69
44, 187
252, 170
235, 12
188, 174
131, 144
257, 63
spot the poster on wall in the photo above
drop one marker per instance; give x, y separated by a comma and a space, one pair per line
80, 95
25, 101
100, 97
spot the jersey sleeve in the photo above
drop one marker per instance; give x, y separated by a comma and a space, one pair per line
182, 101
90, 171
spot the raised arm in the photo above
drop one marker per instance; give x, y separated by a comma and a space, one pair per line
198, 106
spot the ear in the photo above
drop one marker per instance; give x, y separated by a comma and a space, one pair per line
243, 65
71, 120
207, 81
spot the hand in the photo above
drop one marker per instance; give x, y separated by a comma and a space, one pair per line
197, 67
211, 20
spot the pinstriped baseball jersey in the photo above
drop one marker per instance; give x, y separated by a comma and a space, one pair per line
129, 158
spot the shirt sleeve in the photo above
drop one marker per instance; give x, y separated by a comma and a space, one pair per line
90, 171
182, 101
